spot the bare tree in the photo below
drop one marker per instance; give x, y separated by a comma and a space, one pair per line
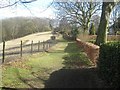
78, 13
103, 26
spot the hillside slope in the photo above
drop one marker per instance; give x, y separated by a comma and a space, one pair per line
27, 39
12, 47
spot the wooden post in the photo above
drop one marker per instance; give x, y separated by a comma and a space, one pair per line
48, 45
21, 49
32, 47
38, 46
3, 52
43, 45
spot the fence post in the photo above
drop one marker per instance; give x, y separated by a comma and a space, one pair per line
21, 49
43, 45
32, 47
38, 46
48, 45
3, 52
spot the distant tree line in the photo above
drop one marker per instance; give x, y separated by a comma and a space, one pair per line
13, 28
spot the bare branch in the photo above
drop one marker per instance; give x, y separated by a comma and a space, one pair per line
77, 12
28, 1
9, 5
14, 3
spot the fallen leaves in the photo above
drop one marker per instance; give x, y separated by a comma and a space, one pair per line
16, 64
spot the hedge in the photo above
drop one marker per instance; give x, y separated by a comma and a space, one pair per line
109, 63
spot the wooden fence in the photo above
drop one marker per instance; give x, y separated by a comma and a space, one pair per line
32, 48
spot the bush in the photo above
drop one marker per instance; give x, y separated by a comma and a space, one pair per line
53, 37
68, 37
92, 41
109, 62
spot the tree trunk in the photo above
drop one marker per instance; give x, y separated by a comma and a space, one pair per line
103, 26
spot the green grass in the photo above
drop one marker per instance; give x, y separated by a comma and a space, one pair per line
34, 71
76, 58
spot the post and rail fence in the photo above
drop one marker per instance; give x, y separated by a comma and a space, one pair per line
31, 48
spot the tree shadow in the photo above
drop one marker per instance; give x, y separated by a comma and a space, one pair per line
75, 57
76, 73
69, 76
74, 78
31, 83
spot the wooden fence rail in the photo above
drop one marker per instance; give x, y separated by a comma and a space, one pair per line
41, 46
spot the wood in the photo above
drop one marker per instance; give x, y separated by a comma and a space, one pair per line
21, 49
3, 52
31, 47
38, 46
43, 45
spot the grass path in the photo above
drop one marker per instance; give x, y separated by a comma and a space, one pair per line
60, 67
25, 73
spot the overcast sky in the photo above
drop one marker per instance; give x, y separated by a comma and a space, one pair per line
35, 9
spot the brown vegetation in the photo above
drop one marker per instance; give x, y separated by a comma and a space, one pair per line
91, 50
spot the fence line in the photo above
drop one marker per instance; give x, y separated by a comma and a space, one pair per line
40, 46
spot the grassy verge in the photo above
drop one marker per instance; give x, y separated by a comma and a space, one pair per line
33, 71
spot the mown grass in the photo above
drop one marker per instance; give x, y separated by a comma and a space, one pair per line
76, 58
34, 71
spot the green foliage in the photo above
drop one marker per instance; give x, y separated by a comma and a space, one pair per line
71, 34
91, 41
118, 32
92, 29
109, 62
74, 32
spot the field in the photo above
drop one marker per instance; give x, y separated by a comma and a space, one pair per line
12, 47
27, 39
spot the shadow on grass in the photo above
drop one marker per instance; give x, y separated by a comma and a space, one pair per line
74, 78
76, 72
32, 83
75, 57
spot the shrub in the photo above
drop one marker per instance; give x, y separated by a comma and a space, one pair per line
68, 37
92, 41
53, 37
109, 62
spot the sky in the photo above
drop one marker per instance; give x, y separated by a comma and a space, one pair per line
35, 9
